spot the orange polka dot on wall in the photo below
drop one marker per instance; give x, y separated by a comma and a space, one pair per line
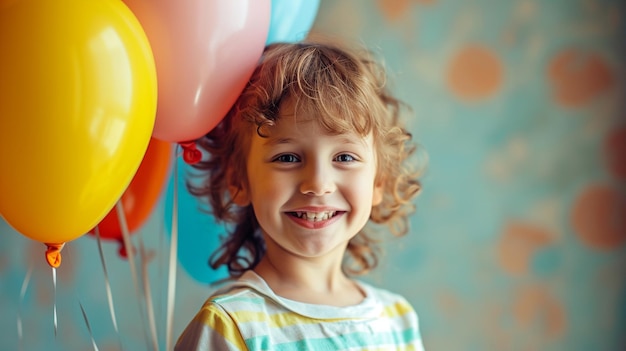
599, 217
518, 243
475, 73
535, 305
578, 77
615, 151
395, 9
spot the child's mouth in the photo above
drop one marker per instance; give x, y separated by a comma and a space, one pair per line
314, 216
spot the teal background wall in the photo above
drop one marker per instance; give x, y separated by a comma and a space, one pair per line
519, 239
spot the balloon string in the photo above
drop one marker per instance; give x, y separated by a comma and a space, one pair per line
93, 342
53, 257
54, 305
161, 270
21, 302
171, 286
145, 260
107, 285
131, 260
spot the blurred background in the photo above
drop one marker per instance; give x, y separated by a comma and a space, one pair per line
519, 239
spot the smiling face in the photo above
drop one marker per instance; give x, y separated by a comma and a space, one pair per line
312, 191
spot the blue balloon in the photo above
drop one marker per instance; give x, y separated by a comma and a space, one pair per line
198, 233
291, 20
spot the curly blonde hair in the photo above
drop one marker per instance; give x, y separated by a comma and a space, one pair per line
346, 92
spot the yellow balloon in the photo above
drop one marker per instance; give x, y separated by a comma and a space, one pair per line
78, 97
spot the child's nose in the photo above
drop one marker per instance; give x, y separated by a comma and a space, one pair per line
317, 180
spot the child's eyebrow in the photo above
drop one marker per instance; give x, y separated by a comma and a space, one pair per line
275, 141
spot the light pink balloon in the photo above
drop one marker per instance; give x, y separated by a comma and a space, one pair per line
205, 52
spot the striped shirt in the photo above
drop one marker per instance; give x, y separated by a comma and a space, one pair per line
246, 314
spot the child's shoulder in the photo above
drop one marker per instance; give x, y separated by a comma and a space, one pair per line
247, 288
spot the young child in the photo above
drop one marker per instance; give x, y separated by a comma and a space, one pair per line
308, 155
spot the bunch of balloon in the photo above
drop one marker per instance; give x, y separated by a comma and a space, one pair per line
291, 20
78, 96
141, 196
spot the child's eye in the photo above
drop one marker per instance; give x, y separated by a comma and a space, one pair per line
345, 158
286, 158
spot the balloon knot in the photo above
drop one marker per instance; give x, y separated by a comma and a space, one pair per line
53, 254
191, 154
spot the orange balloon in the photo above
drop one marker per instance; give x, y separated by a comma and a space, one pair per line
141, 196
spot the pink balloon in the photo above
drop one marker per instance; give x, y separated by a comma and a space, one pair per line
205, 52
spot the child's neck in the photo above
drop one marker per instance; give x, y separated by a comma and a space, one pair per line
310, 283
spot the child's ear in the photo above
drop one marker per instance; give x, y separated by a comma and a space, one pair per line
239, 194
377, 197
237, 190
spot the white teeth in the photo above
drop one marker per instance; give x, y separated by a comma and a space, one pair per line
316, 216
